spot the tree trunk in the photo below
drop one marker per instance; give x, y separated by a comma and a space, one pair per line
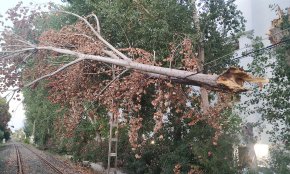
231, 81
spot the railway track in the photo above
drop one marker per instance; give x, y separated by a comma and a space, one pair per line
20, 166
19, 161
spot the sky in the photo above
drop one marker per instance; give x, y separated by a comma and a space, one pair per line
257, 13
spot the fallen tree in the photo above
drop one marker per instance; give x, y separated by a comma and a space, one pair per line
231, 80
81, 67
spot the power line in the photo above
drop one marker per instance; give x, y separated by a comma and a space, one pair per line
261, 49
245, 55
265, 38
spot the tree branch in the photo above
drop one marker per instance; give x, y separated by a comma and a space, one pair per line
98, 35
231, 80
55, 72
97, 21
117, 77
19, 51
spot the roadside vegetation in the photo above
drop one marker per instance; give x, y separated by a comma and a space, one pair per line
4, 119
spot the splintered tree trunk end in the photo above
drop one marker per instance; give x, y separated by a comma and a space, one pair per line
234, 78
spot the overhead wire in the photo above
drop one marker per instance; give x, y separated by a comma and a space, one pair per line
261, 49
256, 51
248, 46
244, 55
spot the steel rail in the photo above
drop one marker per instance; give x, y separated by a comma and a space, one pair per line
19, 161
45, 161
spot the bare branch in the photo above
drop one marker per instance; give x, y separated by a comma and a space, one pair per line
111, 54
8, 94
55, 72
13, 93
108, 71
84, 35
19, 51
9, 56
26, 57
123, 56
97, 21
25, 42
117, 77
8, 46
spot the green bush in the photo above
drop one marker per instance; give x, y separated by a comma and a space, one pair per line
1, 136
26, 141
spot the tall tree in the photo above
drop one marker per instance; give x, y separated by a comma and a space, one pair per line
4, 119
